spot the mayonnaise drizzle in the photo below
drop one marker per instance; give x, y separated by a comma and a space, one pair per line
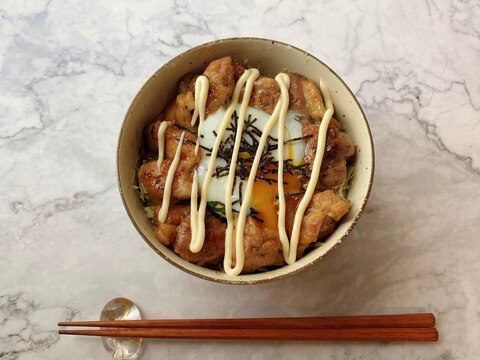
317, 163
201, 94
283, 81
239, 250
161, 141
162, 214
198, 237
194, 206
197, 213
242, 216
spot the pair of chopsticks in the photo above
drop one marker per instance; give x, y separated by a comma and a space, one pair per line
407, 327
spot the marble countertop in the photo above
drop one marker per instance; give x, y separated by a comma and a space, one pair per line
68, 71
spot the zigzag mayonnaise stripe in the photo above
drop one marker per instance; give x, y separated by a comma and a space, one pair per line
162, 214
198, 237
201, 94
312, 182
278, 118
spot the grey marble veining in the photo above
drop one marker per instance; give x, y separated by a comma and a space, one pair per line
68, 71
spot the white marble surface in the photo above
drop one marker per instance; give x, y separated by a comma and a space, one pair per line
68, 71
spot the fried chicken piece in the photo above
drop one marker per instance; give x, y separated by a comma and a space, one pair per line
339, 148
187, 83
305, 97
153, 181
265, 94
171, 139
291, 203
221, 76
324, 211
166, 233
213, 248
150, 134
313, 99
320, 218
238, 70
295, 92
181, 109
175, 214
333, 173
262, 247
335, 123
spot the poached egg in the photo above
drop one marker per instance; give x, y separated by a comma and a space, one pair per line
264, 194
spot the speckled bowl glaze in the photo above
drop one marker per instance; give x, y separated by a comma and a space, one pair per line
270, 57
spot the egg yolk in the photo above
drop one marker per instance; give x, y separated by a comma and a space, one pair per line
265, 197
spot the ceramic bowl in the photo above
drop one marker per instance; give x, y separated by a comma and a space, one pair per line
270, 57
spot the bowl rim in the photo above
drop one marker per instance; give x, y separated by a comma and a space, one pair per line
241, 280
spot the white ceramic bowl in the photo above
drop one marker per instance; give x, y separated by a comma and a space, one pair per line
270, 57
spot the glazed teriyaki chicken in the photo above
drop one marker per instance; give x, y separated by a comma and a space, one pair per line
192, 160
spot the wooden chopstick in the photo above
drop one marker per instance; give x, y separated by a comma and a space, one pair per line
425, 320
407, 327
346, 334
